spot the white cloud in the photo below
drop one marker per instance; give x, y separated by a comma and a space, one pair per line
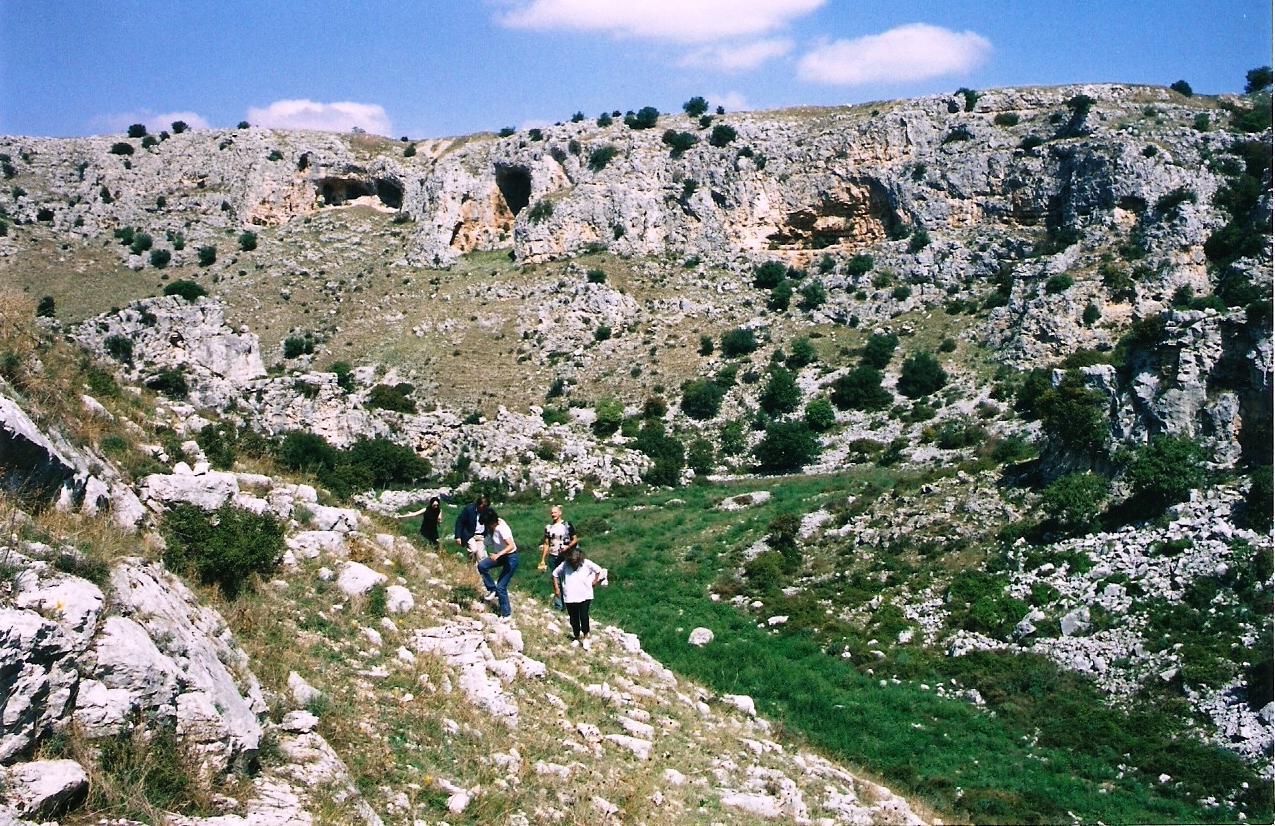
343, 116
684, 21
908, 53
737, 58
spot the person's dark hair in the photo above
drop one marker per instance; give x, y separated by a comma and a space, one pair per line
490, 517
577, 554
482, 502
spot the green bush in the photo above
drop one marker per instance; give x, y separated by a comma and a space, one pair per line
768, 275
738, 342
122, 148
971, 97
596, 276
218, 442
294, 346
602, 332
137, 130
645, 118
46, 307
702, 399
207, 256
119, 347
1166, 470
179, 126
879, 349
188, 290
920, 240
813, 295
387, 462
786, 447
540, 211
141, 243
1091, 314
780, 297
1182, 88
765, 571
308, 452
1058, 283
820, 415
396, 397
600, 156
1074, 415
706, 345
700, 455
608, 415
781, 394
1257, 80
979, 603
247, 241
171, 382
921, 375
160, 258
1074, 501
803, 353
679, 142
860, 264
1005, 119
225, 548
861, 389
665, 451
695, 107
722, 135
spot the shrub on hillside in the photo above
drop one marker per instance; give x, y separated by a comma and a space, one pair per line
160, 258
224, 548
767, 275
702, 398
861, 389
1165, 471
803, 353
781, 394
1058, 283
722, 135
188, 290
695, 107
1073, 415
665, 451
141, 243
820, 415
813, 295
780, 297
171, 382
679, 142
207, 256
307, 452
122, 148
738, 342
395, 397
921, 375
387, 462
701, 456
1259, 500
860, 264
1075, 501
600, 156
541, 210
879, 349
1005, 119
119, 347
295, 346
248, 241
786, 448
608, 415
645, 118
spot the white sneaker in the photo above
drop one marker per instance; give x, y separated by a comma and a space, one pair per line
585, 644
491, 597
575, 643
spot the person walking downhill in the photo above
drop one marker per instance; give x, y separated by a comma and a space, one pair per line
560, 537
469, 525
502, 553
573, 582
431, 517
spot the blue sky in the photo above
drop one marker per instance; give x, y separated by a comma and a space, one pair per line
452, 67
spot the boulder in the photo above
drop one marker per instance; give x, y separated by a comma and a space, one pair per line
356, 578
46, 788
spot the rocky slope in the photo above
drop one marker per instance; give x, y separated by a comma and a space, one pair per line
520, 310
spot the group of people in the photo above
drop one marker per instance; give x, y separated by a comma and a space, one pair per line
490, 545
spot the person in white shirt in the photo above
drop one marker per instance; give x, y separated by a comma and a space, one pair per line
502, 552
573, 582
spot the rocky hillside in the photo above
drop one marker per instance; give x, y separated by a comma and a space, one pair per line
1019, 341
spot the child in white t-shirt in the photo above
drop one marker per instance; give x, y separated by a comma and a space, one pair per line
573, 582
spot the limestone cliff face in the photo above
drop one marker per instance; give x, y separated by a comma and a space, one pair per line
802, 181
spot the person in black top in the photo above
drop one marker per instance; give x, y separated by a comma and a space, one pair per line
431, 517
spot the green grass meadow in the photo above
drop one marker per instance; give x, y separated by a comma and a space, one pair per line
1045, 748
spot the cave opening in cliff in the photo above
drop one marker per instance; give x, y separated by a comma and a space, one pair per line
337, 191
514, 183
390, 193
